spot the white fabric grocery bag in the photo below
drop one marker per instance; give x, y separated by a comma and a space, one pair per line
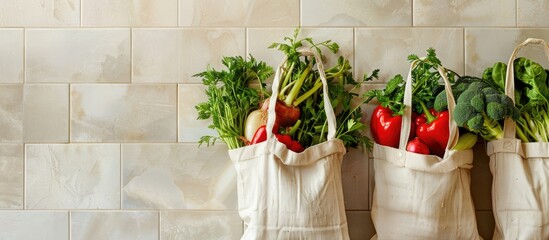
520, 187
288, 195
420, 196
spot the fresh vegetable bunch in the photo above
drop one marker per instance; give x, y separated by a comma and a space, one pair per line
239, 111
300, 109
429, 130
231, 98
480, 106
531, 97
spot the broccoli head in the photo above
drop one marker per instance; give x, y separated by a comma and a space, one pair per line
480, 108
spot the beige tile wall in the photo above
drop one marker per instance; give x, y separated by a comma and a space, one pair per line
98, 131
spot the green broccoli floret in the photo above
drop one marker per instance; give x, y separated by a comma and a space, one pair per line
496, 111
462, 113
476, 123
441, 101
478, 102
480, 108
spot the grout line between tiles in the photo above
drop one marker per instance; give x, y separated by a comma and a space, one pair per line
159, 224
70, 224
120, 157
24, 202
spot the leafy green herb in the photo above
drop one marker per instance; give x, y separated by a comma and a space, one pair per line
230, 97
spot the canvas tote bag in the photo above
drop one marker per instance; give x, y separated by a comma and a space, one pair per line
288, 195
520, 187
420, 196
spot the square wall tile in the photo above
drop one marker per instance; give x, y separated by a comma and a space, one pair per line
236, 13
77, 55
11, 112
11, 176
90, 225
175, 55
354, 176
129, 13
11, 59
259, 39
356, 13
123, 113
532, 13
478, 13
30, 225
31, 13
388, 49
46, 113
190, 128
72, 176
178, 176
200, 225
486, 46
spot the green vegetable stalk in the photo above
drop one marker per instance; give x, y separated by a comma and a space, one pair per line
301, 87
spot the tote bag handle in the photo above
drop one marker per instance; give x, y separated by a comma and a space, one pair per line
509, 126
407, 117
330, 115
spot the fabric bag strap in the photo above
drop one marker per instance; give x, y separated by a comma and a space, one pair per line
330, 115
407, 117
509, 126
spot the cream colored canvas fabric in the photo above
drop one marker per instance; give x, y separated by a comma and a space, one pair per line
520, 187
423, 196
288, 195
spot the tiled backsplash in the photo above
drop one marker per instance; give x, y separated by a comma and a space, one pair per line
98, 131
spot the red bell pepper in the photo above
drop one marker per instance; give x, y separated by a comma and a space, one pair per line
385, 127
261, 136
417, 146
432, 129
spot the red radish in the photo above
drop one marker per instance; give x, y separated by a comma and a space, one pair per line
286, 116
417, 146
255, 119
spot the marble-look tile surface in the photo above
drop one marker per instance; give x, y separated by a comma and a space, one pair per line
72, 176
532, 13
11, 59
497, 13
11, 176
88, 225
46, 113
77, 55
11, 112
178, 176
31, 13
387, 49
356, 13
486, 46
123, 113
200, 225
31, 225
129, 13
259, 39
354, 176
237, 13
190, 129
175, 55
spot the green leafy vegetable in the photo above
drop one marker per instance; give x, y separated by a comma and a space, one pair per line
230, 97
